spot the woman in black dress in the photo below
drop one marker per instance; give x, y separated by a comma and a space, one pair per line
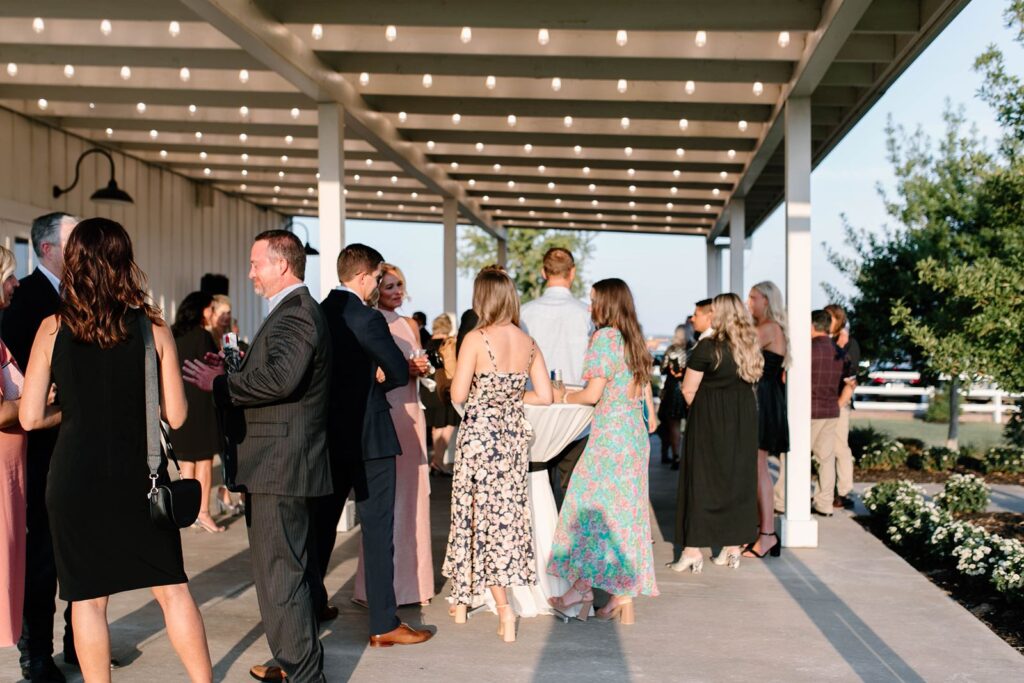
199, 439
672, 407
718, 487
442, 418
104, 540
765, 304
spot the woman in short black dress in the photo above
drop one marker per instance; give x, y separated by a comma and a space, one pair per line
717, 504
672, 407
442, 418
104, 540
199, 439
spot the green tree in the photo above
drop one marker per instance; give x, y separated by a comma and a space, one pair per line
525, 255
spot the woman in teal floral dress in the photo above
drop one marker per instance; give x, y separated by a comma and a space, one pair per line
603, 539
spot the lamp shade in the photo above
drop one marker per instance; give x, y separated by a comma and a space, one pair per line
111, 194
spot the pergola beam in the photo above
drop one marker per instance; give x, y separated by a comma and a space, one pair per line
259, 34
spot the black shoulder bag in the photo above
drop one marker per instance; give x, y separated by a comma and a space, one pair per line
174, 505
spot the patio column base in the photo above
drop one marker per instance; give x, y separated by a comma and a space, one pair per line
798, 533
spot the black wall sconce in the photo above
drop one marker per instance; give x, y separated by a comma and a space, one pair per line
111, 194
290, 226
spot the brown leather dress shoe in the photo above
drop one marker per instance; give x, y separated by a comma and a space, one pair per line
267, 673
403, 635
328, 613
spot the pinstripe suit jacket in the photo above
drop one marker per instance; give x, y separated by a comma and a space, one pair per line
280, 396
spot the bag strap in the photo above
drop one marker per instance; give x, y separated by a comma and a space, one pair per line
153, 452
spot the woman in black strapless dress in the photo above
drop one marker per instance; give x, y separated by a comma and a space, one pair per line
103, 538
765, 304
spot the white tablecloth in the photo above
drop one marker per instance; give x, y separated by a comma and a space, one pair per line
554, 428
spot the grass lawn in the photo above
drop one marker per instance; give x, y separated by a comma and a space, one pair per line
977, 435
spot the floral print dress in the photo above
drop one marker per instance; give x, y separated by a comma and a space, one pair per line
604, 529
491, 537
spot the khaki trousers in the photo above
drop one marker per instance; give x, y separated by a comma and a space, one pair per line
823, 450
844, 456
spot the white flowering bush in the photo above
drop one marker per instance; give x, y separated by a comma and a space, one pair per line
1009, 459
964, 493
885, 455
928, 529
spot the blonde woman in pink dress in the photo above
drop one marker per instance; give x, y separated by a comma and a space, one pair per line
414, 564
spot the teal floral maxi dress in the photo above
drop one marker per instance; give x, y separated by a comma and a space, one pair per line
604, 529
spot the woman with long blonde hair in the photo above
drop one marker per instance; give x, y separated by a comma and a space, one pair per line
603, 538
718, 487
765, 304
490, 544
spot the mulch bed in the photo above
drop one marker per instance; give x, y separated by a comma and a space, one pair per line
922, 477
982, 600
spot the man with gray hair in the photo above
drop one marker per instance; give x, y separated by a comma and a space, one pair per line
37, 298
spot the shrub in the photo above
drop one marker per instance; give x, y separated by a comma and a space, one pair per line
878, 498
973, 550
1014, 430
886, 455
862, 439
963, 493
940, 459
1009, 459
938, 407
1008, 572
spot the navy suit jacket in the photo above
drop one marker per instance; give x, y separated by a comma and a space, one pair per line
360, 425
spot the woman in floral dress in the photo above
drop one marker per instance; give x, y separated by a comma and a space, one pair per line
603, 538
491, 541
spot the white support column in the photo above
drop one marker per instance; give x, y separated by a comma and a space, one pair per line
451, 265
714, 263
331, 198
737, 245
798, 529
502, 251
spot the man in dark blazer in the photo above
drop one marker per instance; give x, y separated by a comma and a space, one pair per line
37, 298
362, 438
280, 393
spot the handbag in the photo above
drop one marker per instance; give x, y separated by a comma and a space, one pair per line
173, 505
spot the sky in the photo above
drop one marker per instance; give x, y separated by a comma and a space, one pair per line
667, 273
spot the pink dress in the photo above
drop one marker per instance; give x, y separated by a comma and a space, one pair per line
12, 508
414, 565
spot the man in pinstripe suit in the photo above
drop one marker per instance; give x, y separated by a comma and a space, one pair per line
281, 392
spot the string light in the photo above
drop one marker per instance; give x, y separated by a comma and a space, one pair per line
105, 27
586, 170
456, 119
690, 87
288, 139
295, 112
242, 137
126, 73
391, 34
512, 120
491, 82
428, 80
628, 151
141, 107
430, 144
153, 134
69, 71
684, 124
556, 83
567, 122
203, 155
402, 116
497, 168
758, 88
624, 122
577, 149
184, 74
731, 153
479, 146
528, 148
192, 109
199, 135
163, 154
317, 31
680, 152
466, 35
207, 171
174, 28
243, 75
12, 69
701, 39
37, 25
621, 38
784, 39
43, 104
110, 132
543, 37
364, 78
622, 85
742, 125
243, 111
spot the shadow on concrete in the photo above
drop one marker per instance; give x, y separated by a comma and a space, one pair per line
851, 638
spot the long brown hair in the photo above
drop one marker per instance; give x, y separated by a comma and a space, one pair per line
495, 298
101, 283
612, 306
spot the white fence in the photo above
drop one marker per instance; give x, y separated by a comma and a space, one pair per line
990, 401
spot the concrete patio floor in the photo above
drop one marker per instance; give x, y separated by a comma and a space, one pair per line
848, 610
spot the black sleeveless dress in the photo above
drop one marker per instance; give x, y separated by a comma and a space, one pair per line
103, 539
773, 418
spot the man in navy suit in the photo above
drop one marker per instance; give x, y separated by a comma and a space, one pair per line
361, 438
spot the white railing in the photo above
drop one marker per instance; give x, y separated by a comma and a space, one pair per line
992, 401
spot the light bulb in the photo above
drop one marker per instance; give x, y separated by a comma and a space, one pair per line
456, 118
701, 39
784, 39
497, 168
174, 28
317, 31
592, 187
141, 107
676, 173
12, 69
37, 25
684, 124
110, 132
567, 122
680, 152
716, 191
199, 135
732, 153
586, 170
163, 154
192, 109
577, 149
105, 27
479, 146
126, 73
628, 151
622, 85
690, 87
512, 120
466, 35
295, 112
402, 116
511, 183
391, 34
556, 83
69, 71
153, 134
542, 168
631, 172
284, 158
242, 137
674, 190
624, 122
43, 104
454, 165
207, 171
364, 78
632, 188
243, 75
491, 82
621, 38
245, 156
428, 80
758, 87
431, 144
203, 155
742, 125
184, 74
723, 175
243, 111
551, 185
244, 173
543, 37
528, 148
369, 162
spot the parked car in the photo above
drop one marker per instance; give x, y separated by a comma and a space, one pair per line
885, 374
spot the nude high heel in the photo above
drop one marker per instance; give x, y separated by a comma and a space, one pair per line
695, 564
623, 611
458, 612
507, 623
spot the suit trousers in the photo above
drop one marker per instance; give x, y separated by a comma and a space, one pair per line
280, 539
36, 642
823, 451
373, 483
844, 456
